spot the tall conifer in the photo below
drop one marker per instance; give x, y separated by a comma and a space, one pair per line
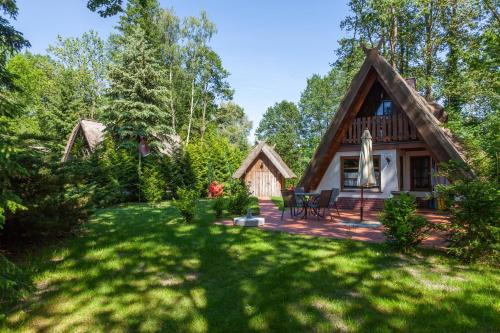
138, 92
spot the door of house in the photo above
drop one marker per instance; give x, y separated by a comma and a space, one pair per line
420, 173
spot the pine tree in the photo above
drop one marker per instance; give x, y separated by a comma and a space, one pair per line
138, 92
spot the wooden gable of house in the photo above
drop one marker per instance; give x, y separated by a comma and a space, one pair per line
415, 119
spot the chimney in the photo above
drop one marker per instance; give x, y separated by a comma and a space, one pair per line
412, 82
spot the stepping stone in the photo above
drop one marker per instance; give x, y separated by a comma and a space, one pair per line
249, 221
358, 224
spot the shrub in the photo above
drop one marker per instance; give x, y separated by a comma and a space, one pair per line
213, 157
14, 284
186, 203
404, 229
474, 205
113, 173
218, 206
153, 185
54, 202
239, 199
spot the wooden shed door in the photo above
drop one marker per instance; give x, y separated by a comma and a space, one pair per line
263, 178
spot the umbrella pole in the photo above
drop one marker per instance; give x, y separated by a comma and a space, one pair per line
361, 203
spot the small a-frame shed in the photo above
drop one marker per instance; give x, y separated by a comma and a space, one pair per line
264, 171
88, 134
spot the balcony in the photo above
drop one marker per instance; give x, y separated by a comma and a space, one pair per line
382, 128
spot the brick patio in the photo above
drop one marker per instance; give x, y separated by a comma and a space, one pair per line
326, 227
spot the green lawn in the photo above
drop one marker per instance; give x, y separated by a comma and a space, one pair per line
139, 269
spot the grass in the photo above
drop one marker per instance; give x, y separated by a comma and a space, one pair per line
137, 268
278, 201
254, 204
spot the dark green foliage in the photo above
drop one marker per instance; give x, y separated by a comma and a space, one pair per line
117, 177
219, 204
186, 203
474, 205
10, 202
53, 204
404, 229
239, 197
138, 92
105, 8
153, 185
182, 174
144, 14
11, 41
14, 284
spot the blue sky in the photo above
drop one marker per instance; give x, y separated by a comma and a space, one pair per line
269, 47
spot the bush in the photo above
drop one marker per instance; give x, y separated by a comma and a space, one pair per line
218, 206
404, 229
474, 205
153, 185
14, 284
54, 202
186, 203
239, 199
214, 157
115, 173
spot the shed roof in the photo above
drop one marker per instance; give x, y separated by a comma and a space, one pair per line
420, 112
273, 156
93, 133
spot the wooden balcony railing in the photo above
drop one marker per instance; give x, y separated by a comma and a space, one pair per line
382, 128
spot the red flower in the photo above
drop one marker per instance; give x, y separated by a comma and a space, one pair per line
215, 189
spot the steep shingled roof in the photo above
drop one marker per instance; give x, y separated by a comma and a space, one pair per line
273, 156
93, 133
420, 112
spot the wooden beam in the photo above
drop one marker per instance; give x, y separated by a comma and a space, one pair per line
334, 136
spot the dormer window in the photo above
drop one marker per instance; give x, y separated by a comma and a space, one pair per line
385, 108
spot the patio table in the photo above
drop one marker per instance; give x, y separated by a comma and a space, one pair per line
306, 198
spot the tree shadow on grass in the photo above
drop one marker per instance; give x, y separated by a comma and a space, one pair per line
138, 269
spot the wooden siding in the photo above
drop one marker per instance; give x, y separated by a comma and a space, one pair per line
382, 129
263, 178
419, 113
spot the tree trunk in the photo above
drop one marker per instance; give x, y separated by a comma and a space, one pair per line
191, 111
453, 100
393, 37
172, 107
429, 49
203, 119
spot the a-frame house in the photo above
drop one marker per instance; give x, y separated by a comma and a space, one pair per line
409, 140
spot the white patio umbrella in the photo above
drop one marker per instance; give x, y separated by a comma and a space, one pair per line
366, 172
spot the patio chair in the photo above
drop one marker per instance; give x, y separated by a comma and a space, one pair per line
288, 202
333, 199
299, 200
321, 203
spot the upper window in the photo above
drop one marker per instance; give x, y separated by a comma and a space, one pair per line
385, 108
349, 172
